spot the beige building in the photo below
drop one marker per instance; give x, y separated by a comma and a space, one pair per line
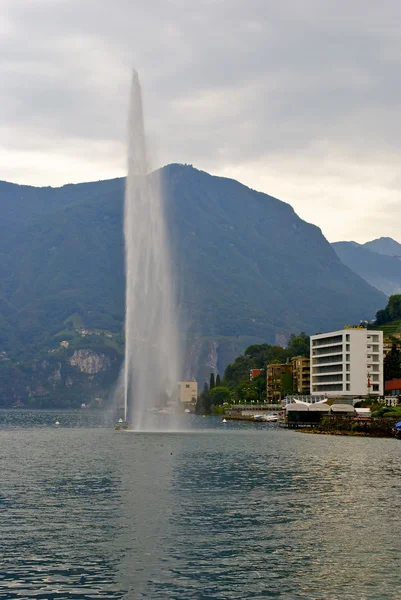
277, 378
187, 391
301, 374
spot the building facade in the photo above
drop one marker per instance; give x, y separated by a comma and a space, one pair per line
347, 363
301, 374
278, 382
187, 391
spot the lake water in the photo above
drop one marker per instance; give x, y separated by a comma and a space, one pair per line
233, 511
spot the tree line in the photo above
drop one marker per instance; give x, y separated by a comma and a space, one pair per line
236, 386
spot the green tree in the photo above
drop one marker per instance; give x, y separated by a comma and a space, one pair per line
298, 345
212, 383
218, 380
394, 307
286, 384
382, 317
203, 402
219, 395
392, 364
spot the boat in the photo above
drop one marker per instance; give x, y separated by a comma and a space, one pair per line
224, 421
266, 418
121, 424
271, 418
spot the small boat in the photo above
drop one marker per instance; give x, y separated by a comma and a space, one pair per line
266, 418
224, 421
121, 424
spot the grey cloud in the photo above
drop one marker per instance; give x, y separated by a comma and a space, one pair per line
227, 84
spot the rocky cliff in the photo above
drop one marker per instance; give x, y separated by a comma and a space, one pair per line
77, 376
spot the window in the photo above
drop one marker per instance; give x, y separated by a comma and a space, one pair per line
375, 338
347, 368
187, 385
347, 358
348, 387
375, 387
347, 337
347, 347
348, 376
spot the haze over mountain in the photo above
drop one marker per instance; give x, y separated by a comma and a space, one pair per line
378, 262
248, 270
384, 245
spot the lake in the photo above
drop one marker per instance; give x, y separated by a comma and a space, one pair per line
229, 511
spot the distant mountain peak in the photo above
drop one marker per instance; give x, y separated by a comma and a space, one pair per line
384, 245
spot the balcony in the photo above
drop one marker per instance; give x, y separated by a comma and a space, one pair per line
338, 358
338, 348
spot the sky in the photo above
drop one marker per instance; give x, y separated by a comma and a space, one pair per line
298, 98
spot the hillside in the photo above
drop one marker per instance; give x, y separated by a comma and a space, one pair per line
248, 269
384, 245
380, 269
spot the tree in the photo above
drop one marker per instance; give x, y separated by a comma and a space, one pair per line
218, 380
394, 307
219, 395
392, 311
392, 364
381, 317
298, 345
203, 402
212, 383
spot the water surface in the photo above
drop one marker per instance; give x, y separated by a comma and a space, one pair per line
233, 511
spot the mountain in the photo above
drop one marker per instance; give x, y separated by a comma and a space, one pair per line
248, 270
378, 268
384, 245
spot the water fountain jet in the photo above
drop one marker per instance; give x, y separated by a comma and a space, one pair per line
151, 365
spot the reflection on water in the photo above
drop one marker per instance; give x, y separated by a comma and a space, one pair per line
235, 513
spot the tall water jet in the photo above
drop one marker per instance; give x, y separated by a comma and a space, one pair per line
151, 366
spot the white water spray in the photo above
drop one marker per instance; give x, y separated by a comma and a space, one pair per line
151, 367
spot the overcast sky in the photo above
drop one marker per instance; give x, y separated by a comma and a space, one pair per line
296, 98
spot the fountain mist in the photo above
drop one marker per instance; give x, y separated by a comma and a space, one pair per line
151, 367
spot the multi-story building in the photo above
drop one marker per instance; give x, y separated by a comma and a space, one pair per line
347, 362
278, 382
301, 374
187, 391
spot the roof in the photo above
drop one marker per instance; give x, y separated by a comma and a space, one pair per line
296, 408
342, 408
319, 407
362, 411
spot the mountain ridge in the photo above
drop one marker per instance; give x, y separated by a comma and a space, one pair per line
247, 268
379, 269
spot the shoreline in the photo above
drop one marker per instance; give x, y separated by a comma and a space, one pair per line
345, 433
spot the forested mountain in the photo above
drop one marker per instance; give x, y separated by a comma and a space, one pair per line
248, 270
377, 262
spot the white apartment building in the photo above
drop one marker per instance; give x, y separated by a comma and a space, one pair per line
347, 363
